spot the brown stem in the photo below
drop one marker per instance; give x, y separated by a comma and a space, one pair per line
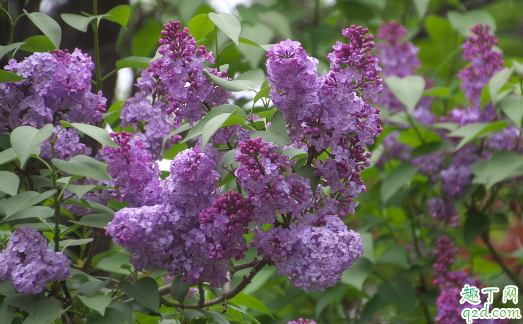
496, 256
226, 294
202, 295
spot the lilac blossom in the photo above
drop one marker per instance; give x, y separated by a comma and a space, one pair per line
301, 321
66, 145
29, 263
173, 88
56, 87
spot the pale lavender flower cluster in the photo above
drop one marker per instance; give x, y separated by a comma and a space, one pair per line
66, 145
29, 263
172, 89
136, 174
57, 87
312, 253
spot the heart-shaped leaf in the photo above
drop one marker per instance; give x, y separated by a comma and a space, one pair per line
227, 23
144, 291
408, 90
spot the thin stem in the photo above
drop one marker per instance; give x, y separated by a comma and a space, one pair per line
217, 52
56, 203
92, 248
109, 74
94, 24
202, 295
503, 265
229, 294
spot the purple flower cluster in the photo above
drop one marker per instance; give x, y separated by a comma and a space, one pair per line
57, 87
66, 145
188, 232
135, 172
261, 172
451, 284
312, 253
173, 88
29, 263
302, 321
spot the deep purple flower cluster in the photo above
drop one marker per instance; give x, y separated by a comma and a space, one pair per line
173, 88
136, 174
66, 145
451, 284
261, 172
57, 87
29, 263
189, 232
302, 321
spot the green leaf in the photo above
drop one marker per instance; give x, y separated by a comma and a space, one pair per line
437, 92
6, 288
125, 310
200, 26
179, 289
28, 303
40, 212
83, 165
278, 21
475, 225
40, 43
278, 126
24, 200
256, 76
328, 296
250, 302
145, 39
464, 22
396, 255
199, 128
95, 220
144, 291
135, 62
421, 7
9, 183
408, 90
217, 317
518, 66
512, 106
234, 85
307, 171
250, 42
100, 135
25, 140
227, 23
411, 137
6, 314
76, 280
66, 243
448, 126
397, 179
80, 190
263, 93
179, 130
112, 316
7, 156
473, 131
370, 308
497, 81
8, 48
228, 161
400, 293
294, 153
268, 136
78, 22
428, 148
501, 167
47, 25
98, 303
6, 76
45, 314
358, 273
119, 14
212, 126
92, 287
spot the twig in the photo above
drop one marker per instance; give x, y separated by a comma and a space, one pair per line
226, 294
496, 256
87, 264
225, 288
202, 295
